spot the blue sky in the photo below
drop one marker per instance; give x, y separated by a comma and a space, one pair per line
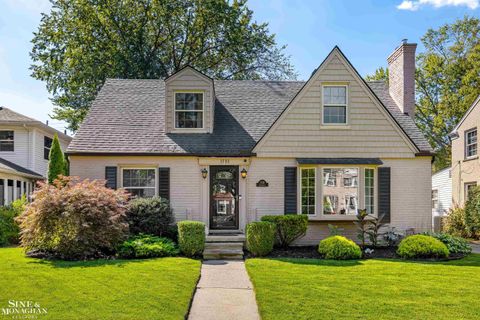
367, 31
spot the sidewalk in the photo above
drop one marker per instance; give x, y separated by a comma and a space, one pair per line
224, 292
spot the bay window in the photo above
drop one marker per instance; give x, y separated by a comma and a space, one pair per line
139, 182
345, 194
308, 190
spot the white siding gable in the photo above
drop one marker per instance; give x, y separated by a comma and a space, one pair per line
442, 182
370, 131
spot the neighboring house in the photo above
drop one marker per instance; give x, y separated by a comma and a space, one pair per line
441, 196
228, 152
465, 162
24, 147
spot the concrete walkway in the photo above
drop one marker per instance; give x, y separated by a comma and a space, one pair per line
224, 292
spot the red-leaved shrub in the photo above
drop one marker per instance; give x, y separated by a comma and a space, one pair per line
72, 219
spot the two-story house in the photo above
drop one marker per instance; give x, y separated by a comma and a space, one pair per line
227, 152
24, 148
465, 161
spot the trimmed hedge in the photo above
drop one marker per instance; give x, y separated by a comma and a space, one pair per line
421, 246
147, 246
289, 227
191, 237
260, 238
339, 248
9, 229
454, 244
149, 216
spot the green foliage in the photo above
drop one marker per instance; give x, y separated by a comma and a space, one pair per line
339, 248
391, 237
149, 215
260, 237
80, 43
56, 161
454, 223
447, 81
421, 246
9, 230
73, 219
374, 226
147, 246
289, 227
334, 230
454, 244
191, 237
380, 74
472, 213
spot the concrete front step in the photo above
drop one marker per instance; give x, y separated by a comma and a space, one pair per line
223, 250
226, 245
225, 238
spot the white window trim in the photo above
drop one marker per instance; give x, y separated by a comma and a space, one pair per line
375, 192
155, 169
175, 109
435, 199
335, 105
466, 145
8, 140
44, 147
300, 190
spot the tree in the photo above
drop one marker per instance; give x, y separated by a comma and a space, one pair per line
56, 161
448, 81
380, 74
82, 42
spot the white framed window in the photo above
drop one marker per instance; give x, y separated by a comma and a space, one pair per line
471, 143
308, 190
6, 140
140, 182
435, 199
47, 145
189, 110
369, 190
468, 188
340, 199
335, 102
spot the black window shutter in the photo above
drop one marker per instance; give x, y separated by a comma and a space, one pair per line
164, 183
384, 183
111, 177
290, 191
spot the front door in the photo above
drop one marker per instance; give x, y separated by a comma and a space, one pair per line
223, 197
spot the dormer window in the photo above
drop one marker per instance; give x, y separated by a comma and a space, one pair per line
189, 109
334, 105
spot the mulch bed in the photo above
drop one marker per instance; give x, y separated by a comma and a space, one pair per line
310, 252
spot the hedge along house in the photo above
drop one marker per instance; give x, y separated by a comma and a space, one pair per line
227, 152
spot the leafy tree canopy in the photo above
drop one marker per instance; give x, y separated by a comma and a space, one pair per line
80, 43
380, 74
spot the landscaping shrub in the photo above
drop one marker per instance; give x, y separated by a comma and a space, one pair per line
147, 246
9, 230
191, 237
421, 246
289, 227
391, 237
339, 248
455, 245
73, 219
472, 213
454, 223
260, 238
149, 216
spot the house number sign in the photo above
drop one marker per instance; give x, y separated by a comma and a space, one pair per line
262, 183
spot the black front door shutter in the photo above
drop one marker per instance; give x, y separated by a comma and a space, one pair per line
111, 177
290, 191
384, 202
164, 183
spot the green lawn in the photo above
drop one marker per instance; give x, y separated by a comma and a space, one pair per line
366, 289
121, 289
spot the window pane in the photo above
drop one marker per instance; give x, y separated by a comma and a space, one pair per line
6, 135
335, 95
369, 190
308, 190
340, 197
334, 114
138, 178
6, 145
471, 143
188, 101
189, 119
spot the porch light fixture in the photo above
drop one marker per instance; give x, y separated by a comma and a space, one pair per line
204, 173
243, 173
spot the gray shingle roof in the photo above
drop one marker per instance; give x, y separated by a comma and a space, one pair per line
8, 115
128, 115
19, 169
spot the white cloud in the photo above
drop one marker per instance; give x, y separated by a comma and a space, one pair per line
414, 5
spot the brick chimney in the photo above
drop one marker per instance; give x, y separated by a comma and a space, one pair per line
401, 77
